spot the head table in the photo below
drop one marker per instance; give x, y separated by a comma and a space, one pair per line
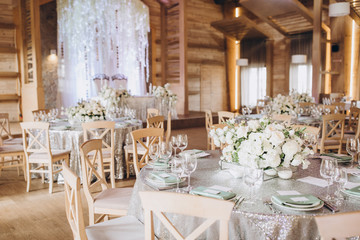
70, 137
247, 221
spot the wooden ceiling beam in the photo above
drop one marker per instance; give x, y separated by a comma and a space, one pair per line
42, 2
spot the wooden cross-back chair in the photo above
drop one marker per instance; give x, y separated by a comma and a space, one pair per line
332, 132
208, 124
12, 156
103, 130
282, 118
340, 106
352, 125
159, 203
224, 116
155, 122
38, 152
338, 226
216, 126
114, 229
152, 135
5, 132
109, 201
152, 112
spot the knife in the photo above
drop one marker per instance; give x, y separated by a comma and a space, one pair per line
330, 206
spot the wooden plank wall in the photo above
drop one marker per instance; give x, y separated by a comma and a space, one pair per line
206, 57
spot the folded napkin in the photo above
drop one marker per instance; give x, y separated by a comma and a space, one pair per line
195, 152
297, 200
354, 191
164, 177
214, 193
338, 156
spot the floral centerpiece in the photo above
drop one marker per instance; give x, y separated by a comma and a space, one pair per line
165, 93
86, 111
283, 105
110, 98
301, 97
261, 144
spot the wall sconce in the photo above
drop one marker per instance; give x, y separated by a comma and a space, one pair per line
243, 62
339, 9
53, 52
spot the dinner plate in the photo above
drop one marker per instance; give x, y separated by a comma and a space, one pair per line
157, 182
350, 194
304, 209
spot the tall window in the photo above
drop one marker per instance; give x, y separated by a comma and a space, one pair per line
301, 74
253, 76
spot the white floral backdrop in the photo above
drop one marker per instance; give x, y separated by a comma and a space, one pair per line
101, 36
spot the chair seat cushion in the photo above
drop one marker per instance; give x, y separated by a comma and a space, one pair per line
13, 141
11, 149
114, 198
44, 156
127, 227
105, 154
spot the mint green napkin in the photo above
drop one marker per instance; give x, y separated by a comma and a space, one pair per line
202, 191
354, 191
164, 177
297, 200
339, 157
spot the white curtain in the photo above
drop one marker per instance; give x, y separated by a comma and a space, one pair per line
101, 37
253, 76
301, 74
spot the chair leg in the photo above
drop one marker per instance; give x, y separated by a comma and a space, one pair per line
24, 167
42, 174
91, 216
127, 164
1, 159
112, 173
51, 180
28, 177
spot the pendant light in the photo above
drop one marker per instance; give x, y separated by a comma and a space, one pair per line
243, 62
298, 58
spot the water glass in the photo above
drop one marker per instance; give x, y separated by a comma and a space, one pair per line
154, 152
327, 171
252, 177
174, 144
177, 169
182, 141
189, 166
352, 147
340, 177
165, 150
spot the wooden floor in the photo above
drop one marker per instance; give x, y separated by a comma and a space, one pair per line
39, 215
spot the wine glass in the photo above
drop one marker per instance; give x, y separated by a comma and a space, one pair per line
182, 141
327, 170
177, 169
165, 150
249, 110
189, 166
174, 144
352, 146
154, 152
340, 176
252, 176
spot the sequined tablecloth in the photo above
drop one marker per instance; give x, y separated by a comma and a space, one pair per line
142, 103
248, 222
72, 137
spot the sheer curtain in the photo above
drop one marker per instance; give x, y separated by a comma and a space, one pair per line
253, 76
301, 74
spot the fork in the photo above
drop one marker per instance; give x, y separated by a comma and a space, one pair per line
270, 206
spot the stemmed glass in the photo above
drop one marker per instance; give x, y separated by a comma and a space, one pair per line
177, 169
174, 144
182, 141
165, 150
189, 166
249, 110
340, 176
154, 152
327, 171
251, 177
352, 147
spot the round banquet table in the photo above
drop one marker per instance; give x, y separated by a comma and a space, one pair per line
70, 137
248, 221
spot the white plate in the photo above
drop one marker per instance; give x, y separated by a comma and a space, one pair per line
297, 208
350, 194
157, 182
302, 206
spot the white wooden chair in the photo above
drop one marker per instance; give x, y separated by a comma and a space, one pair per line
5, 132
120, 228
158, 203
38, 151
332, 132
224, 116
152, 122
109, 201
338, 226
152, 112
103, 130
282, 118
12, 156
208, 124
152, 135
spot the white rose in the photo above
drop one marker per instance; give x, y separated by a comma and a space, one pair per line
297, 160
290, 148
272, 158
253, 124
229, 136
276, 138
242, 131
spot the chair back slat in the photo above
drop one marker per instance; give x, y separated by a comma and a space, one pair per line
5, 125
159, 203
36, 138
151, 135
73, 206
155, 122
152, 112
224, 116
103, 130
332, 129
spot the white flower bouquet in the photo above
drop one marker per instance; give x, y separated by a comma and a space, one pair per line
110, 98
301, 97
261, 144
86, 111
165, 93
283, 105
